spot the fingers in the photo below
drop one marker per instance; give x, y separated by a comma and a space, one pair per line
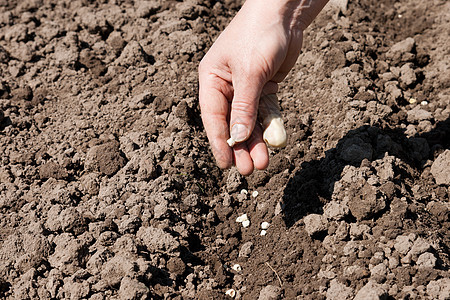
251, 154
258, 149
244, 107
214, 108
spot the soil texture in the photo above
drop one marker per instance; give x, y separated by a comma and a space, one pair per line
108, 188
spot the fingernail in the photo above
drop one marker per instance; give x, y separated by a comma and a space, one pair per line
239, 132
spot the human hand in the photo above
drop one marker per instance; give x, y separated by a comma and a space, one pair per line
251, 56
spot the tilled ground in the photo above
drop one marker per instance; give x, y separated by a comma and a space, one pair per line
108, 189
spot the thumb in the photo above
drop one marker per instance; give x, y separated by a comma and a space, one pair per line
244, 110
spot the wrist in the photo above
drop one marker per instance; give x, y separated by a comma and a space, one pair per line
297, 14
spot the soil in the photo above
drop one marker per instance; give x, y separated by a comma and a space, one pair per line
108, 188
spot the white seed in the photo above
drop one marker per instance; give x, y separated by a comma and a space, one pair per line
265, 225
242, 218
255, 194
231, 142
237, 267
244, 192
231, 293
424, 102
412, 100
263, 232
246, 223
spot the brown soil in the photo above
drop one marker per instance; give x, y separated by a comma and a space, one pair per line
108, 189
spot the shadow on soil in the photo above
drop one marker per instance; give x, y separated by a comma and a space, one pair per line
311, 187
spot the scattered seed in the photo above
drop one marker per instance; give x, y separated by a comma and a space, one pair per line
245, 223
263, 232
231, 293
242, 218
265, 225
412, 100
424, 102
255, 194
237, 267
244, 192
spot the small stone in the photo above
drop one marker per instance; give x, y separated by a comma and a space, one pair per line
379, 270
265, 225
426, 260
105, 158
314, 224
246, 249
371, 291
234, 180
402, 47
418, 114
338, 291
403, 243
270, 292
440, 168
132, 289
439, 289
408, 76
52, 170
420, 246
335, 210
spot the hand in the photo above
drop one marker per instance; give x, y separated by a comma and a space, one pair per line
251, 56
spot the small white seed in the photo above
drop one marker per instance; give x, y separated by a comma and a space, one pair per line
244, 192
246, 223
231, 293
237, 267
231, 142
242, 218
263, 232
265, 225
255, 194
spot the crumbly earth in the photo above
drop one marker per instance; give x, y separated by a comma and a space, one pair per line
108, 189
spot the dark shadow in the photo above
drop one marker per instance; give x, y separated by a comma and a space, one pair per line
311, 187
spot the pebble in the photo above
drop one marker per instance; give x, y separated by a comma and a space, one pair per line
270, 292
440, 167
426, 260
314, 223
371, 290
246, 249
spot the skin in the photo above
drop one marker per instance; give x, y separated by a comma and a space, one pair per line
251, 56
